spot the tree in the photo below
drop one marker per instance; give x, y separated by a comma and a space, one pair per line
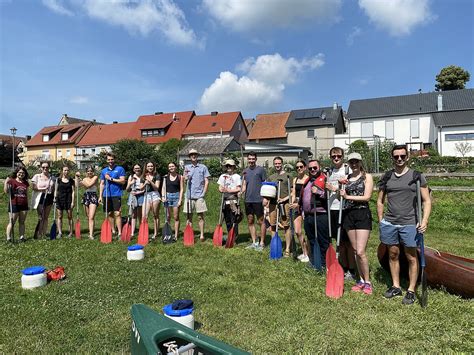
168, 152
452, 78
463, 148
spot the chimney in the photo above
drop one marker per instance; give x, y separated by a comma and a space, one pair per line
175, 119
28, 138
334, 106
158, 113
214, 113
440, 102
64, 115
114, 122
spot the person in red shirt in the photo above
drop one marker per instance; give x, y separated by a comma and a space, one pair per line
16, 186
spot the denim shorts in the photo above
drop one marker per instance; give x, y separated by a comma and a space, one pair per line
393, 234
152, 196
172, 199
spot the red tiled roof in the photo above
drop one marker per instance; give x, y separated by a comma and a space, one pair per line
271, 125
175, 126
106, 134
55, 138
203, 124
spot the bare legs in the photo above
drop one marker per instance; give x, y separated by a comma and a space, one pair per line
359, 238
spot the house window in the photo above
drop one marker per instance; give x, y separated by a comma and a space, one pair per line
93, 150
459, 137
60, 153
367, 129
64, 136
83, 152
389, 130
153, 132
45, 152
45, 138
415, 128
68, 152
310, 133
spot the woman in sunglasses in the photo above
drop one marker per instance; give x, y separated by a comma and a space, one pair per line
172, 193
297, 185
135, 198
358, 218
17, 186
90, 200
42, 198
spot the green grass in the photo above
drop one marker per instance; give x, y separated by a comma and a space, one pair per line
241, 297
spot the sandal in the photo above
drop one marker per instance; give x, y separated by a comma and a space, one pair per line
287, 254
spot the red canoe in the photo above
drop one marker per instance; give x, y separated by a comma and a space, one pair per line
454, 273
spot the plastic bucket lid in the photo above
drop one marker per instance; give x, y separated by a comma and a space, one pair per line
135, 247
270, 183
169, 311
33, 270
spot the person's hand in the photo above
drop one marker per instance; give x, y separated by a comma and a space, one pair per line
100, 200
331, 187
179, 203
72, 205
293, 206
422, 227
108, 177
343, 181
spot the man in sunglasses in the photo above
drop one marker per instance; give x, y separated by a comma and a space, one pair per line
338, 171
399, 224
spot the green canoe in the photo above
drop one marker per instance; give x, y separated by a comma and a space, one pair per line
153, 333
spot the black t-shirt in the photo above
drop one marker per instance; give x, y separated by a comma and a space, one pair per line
173, 186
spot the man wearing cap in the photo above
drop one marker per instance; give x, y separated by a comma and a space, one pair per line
253, 176
196, 176
230, 185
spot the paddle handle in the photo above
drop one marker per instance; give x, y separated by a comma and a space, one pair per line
339, 225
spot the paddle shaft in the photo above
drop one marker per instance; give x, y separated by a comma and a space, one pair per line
12, 232
339, 225
292, 226
424, 296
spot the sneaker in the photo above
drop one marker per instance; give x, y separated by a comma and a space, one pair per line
259, 247
9, 240
358, 287
367, 288
22, 239
305, 259
349, 276
252, 246
91, 237
301, 256
409, 298
392, 292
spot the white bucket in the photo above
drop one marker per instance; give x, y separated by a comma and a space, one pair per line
268, 190
184, 316
135, 252
33, 277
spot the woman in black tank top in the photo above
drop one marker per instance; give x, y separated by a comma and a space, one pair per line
172, 195
298, 182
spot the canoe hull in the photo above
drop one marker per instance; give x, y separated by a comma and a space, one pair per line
443, 270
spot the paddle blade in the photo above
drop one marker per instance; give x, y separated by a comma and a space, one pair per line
424, 289
37, 230
230, 238
335, 280
330, 256
54, 231
188, 237
106, 232
317, 256
276, 251
126, 232
143, 233
167, 236
77, 229
217, 237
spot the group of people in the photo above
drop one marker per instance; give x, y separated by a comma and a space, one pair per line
325, 203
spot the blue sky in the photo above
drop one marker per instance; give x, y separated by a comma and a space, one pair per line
114, 60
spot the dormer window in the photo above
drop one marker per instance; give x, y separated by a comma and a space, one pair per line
153, 132
64, 136
45, 137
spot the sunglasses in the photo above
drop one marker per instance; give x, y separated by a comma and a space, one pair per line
338, 156
400, 157
229, 166
353, 161
45, 167
300, 167
313, 168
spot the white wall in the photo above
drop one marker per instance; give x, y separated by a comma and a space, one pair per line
448, 148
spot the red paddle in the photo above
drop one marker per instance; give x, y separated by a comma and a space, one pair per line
143, 231
217, 237
335, 273
106, 229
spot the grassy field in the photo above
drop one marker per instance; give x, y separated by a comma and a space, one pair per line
241, 297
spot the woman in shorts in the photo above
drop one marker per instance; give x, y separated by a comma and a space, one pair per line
358, 218
65, 199
16, 185
172, 192
42, 198
152, 183
135, 197
298, 182
89, 199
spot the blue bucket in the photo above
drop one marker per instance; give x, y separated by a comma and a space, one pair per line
135, 247
33, 270
169, 311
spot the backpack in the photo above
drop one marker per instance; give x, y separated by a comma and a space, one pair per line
386, 177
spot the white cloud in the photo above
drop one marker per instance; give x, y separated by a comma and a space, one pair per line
144, 17
79, 100
356, 32
363, 81
245, 15
398, 17
58, 7
262, 84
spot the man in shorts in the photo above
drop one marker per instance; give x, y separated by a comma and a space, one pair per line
196, 176
282, 202
400, 223
253, 176
112, 179
338, 171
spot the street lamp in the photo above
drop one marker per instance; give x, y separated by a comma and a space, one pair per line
13, 131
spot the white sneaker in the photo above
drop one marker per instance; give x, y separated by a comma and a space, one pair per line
305, 259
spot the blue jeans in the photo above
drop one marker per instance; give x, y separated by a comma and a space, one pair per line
320, 246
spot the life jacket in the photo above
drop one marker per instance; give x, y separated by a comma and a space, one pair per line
319, 181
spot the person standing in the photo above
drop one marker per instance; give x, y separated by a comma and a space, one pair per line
16, 185
400, 222
172, 194
358, 218
282, 202
112, 179
313, 198
90, 200
196, 176
336, 172
65, 199
297, 185
136, 196
230, 184
253, 176
152, 185
42, 198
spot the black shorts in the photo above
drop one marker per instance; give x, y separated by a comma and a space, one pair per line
254, 208
49, 200
334, 220
358, 218
113, 204
18, 208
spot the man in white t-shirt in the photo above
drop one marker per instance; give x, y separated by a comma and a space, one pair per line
337, 171
230, 184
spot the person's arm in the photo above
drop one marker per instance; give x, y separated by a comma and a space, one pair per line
206, 185
129, 183
92, 182
101, 189
426, 200
369, 185
73, 195
380, 204
34, 182
181, 190
163, 189
120, 180
6, 187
